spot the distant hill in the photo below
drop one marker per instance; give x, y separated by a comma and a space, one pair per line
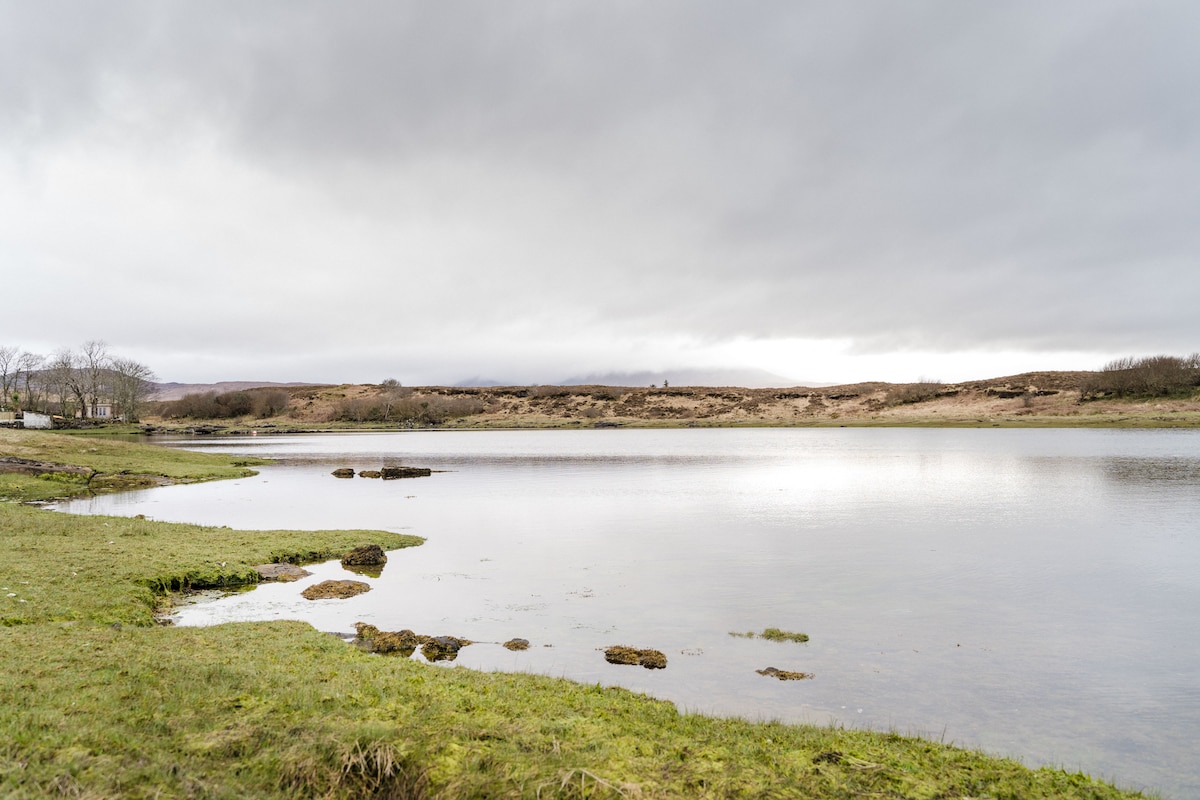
174, 391
747, 378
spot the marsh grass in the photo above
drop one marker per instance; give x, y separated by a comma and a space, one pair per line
277, 709
774, 635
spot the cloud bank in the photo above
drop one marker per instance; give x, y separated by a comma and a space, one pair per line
305, 191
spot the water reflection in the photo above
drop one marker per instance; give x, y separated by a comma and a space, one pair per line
1028, 592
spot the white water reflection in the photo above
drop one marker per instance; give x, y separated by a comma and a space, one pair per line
1029, 592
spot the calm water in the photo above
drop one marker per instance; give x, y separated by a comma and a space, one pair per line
1032, 593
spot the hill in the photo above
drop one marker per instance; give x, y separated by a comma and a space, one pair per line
1028, 400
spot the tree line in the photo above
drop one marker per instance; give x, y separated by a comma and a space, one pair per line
83, 382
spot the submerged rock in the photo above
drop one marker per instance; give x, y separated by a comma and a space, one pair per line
784, 675
343, 472
517, 644
334, 590
650, 659
281, 572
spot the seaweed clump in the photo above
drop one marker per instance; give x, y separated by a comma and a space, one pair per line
650, 659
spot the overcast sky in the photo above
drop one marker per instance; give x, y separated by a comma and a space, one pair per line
529, 191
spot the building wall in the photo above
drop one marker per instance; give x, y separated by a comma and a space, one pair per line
34, 420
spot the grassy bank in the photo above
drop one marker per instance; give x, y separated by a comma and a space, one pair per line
95, 701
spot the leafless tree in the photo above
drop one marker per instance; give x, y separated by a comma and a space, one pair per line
131, 383
28, 365
9, 365
94, 368
63, 383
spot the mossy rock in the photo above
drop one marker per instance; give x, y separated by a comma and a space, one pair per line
517, 644
621, 654
369, 555
343, 472
334, 590
370, 473
443, 648
403, 642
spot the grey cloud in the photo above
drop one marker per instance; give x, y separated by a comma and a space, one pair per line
930, 174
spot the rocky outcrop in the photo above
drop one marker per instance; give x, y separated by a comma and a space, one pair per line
650, 659
334, 590
343, 472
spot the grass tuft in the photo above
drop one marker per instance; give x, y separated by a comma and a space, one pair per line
773, 634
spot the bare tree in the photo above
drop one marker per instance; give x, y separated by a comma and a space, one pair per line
63, 383
9, 365
28, 365
94, 368
131, 384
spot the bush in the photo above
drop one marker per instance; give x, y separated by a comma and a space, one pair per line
1150, 376
409, 410
924, 389
271, 403
211, 405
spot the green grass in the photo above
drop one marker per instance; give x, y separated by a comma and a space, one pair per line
774, 635
92, 708
118, 569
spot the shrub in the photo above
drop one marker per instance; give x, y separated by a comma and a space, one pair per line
924, 389
1150, 376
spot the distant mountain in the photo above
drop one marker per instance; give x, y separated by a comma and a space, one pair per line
482, 383
174, 391
746, 378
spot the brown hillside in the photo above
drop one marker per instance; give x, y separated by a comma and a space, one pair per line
1028, 399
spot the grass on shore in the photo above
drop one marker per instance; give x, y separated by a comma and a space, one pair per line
96, 709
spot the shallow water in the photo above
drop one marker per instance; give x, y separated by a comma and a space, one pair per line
1031, 593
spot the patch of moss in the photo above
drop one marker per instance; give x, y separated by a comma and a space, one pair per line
773, 634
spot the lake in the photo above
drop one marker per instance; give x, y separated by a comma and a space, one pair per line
1033, 593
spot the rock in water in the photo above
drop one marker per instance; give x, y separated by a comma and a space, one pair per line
650, 659
443, 648
376, 641
783, 674
369, 555
391, 473
281, 572
334, 590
